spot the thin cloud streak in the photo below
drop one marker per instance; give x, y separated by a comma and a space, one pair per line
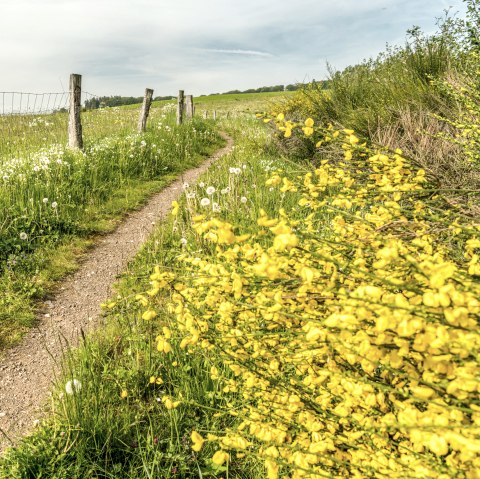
237, 52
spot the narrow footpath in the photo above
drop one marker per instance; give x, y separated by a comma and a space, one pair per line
28, 370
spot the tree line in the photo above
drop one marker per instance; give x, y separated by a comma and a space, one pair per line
117, 100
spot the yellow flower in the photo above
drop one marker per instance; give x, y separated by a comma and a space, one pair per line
175, 207
438, 445
220, 457
197, 441
169, 403
124, 394
285, 241
272, 469
148, 315
309, 122
163, 345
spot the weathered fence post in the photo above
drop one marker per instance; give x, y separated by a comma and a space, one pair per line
189, 106
75, 139
214, 114
180, 107
147, 101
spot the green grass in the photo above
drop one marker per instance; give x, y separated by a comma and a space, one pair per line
136, 436
236, 103
54, 197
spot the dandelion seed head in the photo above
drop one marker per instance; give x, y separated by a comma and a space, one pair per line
210, 190
73, 386
23, 236
204, 202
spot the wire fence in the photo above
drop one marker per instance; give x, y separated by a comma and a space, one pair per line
22, 103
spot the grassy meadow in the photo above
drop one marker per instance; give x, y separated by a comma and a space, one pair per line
310, 309
54, 199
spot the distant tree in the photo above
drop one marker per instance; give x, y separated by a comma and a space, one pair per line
160, 98
109, 101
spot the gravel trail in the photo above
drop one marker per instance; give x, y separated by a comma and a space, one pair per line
28, 370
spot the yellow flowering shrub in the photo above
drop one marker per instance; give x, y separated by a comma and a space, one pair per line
349, 323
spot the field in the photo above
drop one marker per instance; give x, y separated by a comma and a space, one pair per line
310, 308
53, 200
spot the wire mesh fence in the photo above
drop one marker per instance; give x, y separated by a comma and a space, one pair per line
23, 103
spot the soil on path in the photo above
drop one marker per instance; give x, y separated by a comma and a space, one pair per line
28, 370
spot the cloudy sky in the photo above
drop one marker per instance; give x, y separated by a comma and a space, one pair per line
201, 46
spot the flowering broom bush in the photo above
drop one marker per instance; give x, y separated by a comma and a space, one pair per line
349, 323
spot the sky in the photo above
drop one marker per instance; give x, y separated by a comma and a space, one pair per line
121, 47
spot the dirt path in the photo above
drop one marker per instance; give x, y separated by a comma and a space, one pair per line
27, 372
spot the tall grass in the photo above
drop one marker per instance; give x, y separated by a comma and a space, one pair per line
51, 194
399, 99
118, 424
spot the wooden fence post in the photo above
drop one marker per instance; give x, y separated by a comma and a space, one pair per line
147, 101
75, 139
214, 114
180, 107
189, 106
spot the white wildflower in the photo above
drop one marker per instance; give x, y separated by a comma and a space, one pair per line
210, 190
243, 199
23, 236
54, 204
204, 202
73, 386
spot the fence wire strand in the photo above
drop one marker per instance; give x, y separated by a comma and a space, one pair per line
24, 103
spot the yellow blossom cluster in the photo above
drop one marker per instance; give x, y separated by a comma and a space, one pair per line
350, 324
